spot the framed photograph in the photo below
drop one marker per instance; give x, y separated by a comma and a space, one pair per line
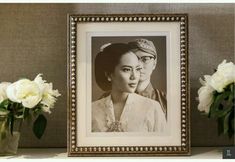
128, 85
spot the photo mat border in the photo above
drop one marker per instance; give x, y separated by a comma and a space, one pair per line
73, 150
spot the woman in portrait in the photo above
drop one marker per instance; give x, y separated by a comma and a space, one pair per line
117, 71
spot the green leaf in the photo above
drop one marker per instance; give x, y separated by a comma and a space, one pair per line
226, 123
231, 124
37, 110
39, 126
3, 111
3, 129
12, 120
4, 104
227, 110
217, 109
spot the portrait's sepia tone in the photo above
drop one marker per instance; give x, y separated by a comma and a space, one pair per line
128, 85
123, 68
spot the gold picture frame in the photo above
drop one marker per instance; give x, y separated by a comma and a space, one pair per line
85, 34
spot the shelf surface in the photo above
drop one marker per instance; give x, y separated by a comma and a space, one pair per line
61, 153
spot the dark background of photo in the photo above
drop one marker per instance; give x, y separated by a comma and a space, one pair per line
158, 78
33, 39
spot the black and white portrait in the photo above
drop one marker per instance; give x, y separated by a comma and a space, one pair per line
129, 84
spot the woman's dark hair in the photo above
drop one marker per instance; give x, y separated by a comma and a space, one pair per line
106, 61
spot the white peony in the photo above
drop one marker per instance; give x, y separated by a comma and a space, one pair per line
48, 94
224, 76
205, 95
26, 92
3, 88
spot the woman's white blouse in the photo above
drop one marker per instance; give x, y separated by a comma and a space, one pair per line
140, 114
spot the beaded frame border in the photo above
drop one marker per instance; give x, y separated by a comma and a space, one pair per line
73, 150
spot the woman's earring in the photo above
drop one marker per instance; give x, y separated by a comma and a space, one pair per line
109, 79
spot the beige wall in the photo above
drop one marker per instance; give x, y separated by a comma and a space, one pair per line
33, 40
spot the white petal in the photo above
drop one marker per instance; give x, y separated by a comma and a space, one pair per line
31, 101
11, 91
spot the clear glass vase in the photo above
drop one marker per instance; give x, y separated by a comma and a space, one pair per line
9, 141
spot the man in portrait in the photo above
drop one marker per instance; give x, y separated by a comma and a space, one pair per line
147, 53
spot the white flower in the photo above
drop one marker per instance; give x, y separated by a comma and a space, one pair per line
48, 94
49, 97
3, 88
205, 95
40, 82
26, 92
224, 76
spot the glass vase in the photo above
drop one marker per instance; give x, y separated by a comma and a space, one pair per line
9, 141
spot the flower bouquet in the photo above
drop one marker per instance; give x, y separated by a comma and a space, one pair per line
23, 100
217, 97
